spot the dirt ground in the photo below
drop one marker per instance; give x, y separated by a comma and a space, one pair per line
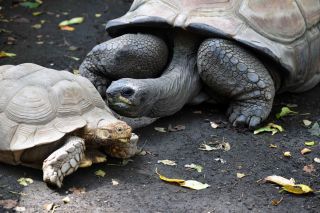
139, 188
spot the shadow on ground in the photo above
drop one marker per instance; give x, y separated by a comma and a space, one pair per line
139, 188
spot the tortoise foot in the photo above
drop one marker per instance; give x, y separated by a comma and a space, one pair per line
63, 161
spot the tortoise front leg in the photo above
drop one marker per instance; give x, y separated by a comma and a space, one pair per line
128, 56
233, 72
63, 161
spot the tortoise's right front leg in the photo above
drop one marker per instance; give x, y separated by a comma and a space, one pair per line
128, 56
63, 161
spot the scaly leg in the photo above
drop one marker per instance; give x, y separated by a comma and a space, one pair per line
63, 161
233, 72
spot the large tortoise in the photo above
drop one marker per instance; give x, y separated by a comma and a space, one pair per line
49, 118
245, 52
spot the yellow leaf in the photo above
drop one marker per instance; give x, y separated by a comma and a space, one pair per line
169, 180
97, 15
285, 111
5, 54
305, 151
280, 180
67, 28
168, 162
25, 181
76, 20
240, 175
273, 146
287, 154
297, 189
309, 143
193, 184
307, 123
36, 13
271, 127
100, 173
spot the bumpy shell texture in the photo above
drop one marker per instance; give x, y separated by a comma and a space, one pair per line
40, 105
288, 31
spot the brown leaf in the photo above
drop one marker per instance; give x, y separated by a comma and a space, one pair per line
77, 190
8, 204
176, 128
276, 202
309, 168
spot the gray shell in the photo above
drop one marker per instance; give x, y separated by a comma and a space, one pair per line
40, 105
286, 30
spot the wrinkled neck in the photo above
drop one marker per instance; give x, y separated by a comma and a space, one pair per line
180, 82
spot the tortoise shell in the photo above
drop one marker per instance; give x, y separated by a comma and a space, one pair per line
288, 31
40, 105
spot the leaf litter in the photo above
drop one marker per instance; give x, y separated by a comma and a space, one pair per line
285, 111
211, 146
168, 162
271, 127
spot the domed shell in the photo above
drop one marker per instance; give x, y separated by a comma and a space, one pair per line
288, 31
40, 105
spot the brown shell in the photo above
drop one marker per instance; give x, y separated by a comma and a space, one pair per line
40, 105
286, 30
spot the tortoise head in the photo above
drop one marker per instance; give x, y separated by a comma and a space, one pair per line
131, 97
108, 130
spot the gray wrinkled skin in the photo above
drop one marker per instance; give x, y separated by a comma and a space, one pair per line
162, 96
131, 56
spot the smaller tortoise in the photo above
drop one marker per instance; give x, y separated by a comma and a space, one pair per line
49, 118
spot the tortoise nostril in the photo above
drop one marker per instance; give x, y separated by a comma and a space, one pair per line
127, 92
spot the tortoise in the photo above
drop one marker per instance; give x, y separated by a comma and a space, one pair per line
244, 51
49, 118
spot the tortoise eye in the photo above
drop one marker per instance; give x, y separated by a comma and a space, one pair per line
119, 129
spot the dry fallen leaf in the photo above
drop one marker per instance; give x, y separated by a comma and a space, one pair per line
317, 160
273, 146
287, 154
97, 15
309, 168
197, 112
276, 202
77, 190
114, 182
285, 111
194, 166
297, 189
307, 123
220, 160
215, 146
76, 20
160, 129
214, 125
192, 184
66, 200
168, 162
176, 128
8, 204
289, 185
305, 151
20, 209
5, 54
100, 173
310, 143
240, 175
25, 181
271, 127
279, 180
67, 28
